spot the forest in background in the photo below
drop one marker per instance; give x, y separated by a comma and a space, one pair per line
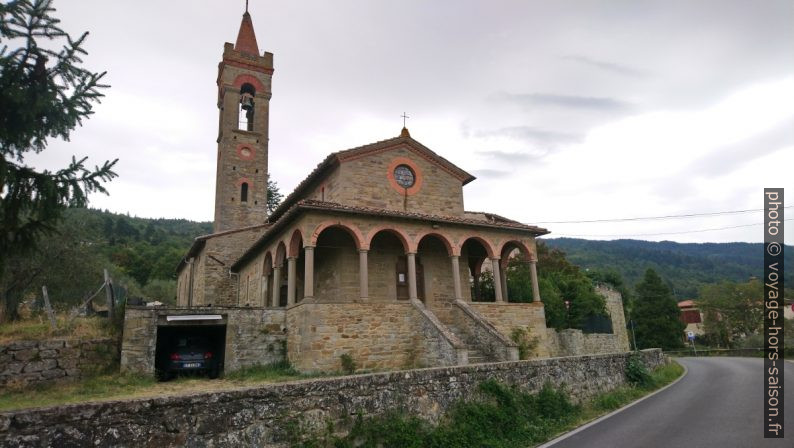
685, 267
141, 254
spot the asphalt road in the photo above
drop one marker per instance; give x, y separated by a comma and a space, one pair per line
719, 403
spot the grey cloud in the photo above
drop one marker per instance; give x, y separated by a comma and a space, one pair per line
730, 158
532, 134
511, 157
609, 66
565, 101
490, 173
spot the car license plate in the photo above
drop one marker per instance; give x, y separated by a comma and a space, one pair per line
189, 365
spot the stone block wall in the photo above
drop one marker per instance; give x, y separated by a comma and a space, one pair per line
495, 345
253, 335
259, 416
365, 182
26, 363
614, 304
377, 335
211, 282
530, 317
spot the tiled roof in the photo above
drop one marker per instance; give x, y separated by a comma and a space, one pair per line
200, 241
490, 220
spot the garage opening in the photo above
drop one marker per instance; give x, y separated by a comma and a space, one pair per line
190, 348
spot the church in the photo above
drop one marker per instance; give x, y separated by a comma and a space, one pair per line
372, 257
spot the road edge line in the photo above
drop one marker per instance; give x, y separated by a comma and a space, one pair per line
616, 411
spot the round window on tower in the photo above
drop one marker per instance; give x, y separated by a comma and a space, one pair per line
245, 152
404, 176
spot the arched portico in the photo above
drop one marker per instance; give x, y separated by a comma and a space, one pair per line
517, 250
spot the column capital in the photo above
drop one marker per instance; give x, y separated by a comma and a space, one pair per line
454, 256
293, 258
410, 253
308, 247
363, 251
495, 258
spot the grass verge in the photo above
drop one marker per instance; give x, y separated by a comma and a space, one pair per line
126, 386
38, 328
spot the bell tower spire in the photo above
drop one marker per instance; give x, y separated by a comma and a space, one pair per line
244, 91
246, 38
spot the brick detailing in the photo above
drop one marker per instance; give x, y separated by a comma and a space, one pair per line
29, 363
260, 416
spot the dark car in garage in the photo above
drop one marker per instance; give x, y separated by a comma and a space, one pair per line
191, 354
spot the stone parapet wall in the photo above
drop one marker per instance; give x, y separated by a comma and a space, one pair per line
260, 416
28, 363
495, 345
529, 317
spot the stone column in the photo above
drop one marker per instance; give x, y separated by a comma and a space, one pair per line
411, 275
503, 273
308, 272
291, 280
533, 272
497, 279
456, 276
264, 290
363, 274
276, 285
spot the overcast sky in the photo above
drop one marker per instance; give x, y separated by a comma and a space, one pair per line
564, 110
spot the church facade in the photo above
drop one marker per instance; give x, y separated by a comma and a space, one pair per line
373, 256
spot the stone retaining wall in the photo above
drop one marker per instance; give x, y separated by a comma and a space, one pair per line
260, 416
25, 363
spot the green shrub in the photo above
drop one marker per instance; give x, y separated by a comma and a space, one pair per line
636, 372
348, 365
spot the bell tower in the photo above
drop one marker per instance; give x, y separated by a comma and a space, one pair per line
244, 90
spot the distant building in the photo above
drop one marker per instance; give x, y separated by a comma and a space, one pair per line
692, 317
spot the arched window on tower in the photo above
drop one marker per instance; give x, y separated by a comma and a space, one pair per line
246, 111
244, 192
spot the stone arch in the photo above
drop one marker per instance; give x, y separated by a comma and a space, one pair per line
402, 236
355, 233
295, 243
507, 247
476, 250
451, 248
248, 79
267, 264
281, 254
485, 244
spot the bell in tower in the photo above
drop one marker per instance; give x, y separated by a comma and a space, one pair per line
244, 92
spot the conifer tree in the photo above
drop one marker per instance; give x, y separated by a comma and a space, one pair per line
656, 314
44, 94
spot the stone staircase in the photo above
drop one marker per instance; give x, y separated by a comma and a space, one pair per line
476, 356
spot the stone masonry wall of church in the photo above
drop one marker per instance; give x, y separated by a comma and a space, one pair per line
529, 317
376, 335
212, 283
365, 182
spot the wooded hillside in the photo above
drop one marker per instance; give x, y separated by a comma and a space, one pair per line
684, 266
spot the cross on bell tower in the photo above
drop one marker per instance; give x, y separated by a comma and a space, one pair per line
244, 91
